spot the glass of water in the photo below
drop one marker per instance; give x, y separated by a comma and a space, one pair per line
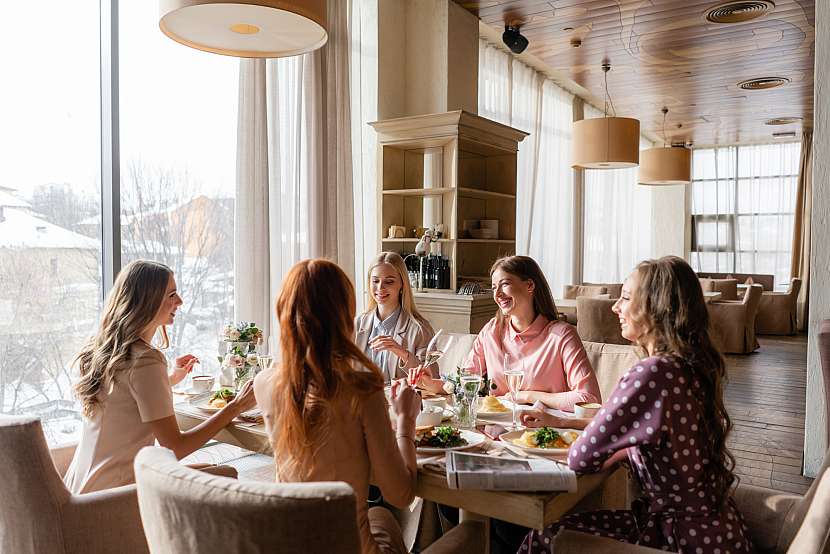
470, 385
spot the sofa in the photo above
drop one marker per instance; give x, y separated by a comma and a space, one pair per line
766, 281
728, 288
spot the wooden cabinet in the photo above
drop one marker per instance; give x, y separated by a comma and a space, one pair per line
453, 168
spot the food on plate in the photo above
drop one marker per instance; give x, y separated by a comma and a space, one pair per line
546, 437
439, 437
220, 398
492, 404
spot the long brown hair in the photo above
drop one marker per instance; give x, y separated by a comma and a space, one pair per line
407, 300
669, 304
319, 360
132, 304
526, 269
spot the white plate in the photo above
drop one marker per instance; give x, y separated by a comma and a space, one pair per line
496, 415
513, 435
202, 401
472, 438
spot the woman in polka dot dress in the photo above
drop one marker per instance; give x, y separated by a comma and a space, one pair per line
667, 418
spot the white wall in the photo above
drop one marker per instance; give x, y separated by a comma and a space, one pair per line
815, 439
668, 218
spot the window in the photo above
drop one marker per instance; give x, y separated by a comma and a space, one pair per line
50, 247
178, 123
743, 202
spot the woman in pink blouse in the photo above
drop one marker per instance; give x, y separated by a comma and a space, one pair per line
526, 329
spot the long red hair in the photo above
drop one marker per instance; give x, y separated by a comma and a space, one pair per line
319, 359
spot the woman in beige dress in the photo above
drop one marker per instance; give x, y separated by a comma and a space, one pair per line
124, 387
391, 332
324, 405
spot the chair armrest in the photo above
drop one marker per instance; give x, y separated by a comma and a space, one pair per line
467, 536
104, 521
567, 541
765, 513
62, 456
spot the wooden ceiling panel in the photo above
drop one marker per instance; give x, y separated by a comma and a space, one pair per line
665, 53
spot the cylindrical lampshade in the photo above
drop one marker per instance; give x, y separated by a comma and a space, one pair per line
246, 28
665, 166
606, 143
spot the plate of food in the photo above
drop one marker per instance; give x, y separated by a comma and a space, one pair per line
213, 401
491, 407
546, 441
434, 440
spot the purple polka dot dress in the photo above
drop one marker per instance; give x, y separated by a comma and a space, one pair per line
654, 413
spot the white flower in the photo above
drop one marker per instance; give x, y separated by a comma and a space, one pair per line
235, 361
449, 387
233, 334
252, 359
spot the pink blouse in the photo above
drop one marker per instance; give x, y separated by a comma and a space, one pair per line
550, 353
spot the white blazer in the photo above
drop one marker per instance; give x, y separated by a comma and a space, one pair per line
410, 333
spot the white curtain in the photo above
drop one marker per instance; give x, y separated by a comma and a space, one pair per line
512, 93
294, 173
618, 221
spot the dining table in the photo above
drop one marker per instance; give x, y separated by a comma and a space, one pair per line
535, 510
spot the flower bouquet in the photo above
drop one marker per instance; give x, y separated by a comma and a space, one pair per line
240, 361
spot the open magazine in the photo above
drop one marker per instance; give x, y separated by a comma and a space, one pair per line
466, 470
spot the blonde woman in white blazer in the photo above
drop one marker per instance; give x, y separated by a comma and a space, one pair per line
391, 332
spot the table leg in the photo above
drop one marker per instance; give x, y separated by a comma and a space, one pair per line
465, 515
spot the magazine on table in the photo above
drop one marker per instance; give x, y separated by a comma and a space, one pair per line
466, 470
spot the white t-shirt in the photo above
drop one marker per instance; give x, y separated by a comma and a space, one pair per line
121, 426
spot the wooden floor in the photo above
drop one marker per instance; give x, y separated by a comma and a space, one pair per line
765, 397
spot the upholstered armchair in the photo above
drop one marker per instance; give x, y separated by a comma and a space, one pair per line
777, 312
572, 292
733, 323
778, 523
614, 289
37, 512
185, 510
597, 322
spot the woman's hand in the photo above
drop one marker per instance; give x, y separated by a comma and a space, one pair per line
422, 378
538, 418
184, 365
244, 399
405, 400
385, 343
525, 397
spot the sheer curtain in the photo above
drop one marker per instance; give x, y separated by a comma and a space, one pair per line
512, 93
618, 221
294, 173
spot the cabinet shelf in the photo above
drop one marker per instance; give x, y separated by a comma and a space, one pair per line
414, 240
487, 241
479, 193
417, 192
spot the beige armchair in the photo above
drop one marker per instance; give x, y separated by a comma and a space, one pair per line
777, 313
37, 512
733, 323
572, 292
597, 322
778, 523
614, 289
185, 510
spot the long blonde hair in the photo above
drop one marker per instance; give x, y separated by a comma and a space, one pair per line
132, 304
319, 359
407, 300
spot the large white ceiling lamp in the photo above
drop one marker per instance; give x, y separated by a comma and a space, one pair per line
669, 165
246, 28
606, 142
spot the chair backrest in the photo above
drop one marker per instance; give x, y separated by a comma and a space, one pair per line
185, 510
794, 288
572, 292
33, 493
728, 288
614, 289
596, 322
824, 355
610, 362
752, 300
457, 354
816, 499
765, 280
814, 533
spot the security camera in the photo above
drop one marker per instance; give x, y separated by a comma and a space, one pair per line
514, 39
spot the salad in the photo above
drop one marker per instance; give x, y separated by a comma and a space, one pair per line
546, 437
440, 437
220, 398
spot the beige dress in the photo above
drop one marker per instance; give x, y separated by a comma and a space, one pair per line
360, 447
111, 439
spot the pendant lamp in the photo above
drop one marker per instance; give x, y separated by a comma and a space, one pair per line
606, 142
669, 165
246, 28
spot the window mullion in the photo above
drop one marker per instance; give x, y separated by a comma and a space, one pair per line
110, 153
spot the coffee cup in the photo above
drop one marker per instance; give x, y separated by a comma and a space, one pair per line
430, 415
586, 409
434, 402
202, 383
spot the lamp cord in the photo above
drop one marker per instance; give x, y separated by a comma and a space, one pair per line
607, 95
665, 138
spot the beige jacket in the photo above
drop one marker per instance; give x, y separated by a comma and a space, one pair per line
411, 334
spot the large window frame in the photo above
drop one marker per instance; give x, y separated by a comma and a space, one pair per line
110, 148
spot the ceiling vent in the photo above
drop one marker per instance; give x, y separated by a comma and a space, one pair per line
738, 11
762, 83
784, 134
782, 120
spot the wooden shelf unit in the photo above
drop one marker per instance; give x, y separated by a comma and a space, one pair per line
477, 181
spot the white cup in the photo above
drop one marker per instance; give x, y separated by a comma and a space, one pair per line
430, 416
586, 409
202, 383
434, 402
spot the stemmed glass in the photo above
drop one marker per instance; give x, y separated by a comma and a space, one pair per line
440, 344
264, 354
514, 378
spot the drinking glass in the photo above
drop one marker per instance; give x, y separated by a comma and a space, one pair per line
514, 377
470, 385
264, 353
440, 344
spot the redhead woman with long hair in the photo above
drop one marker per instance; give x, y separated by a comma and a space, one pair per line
667, 418
124, 385
324, 404
391, 332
